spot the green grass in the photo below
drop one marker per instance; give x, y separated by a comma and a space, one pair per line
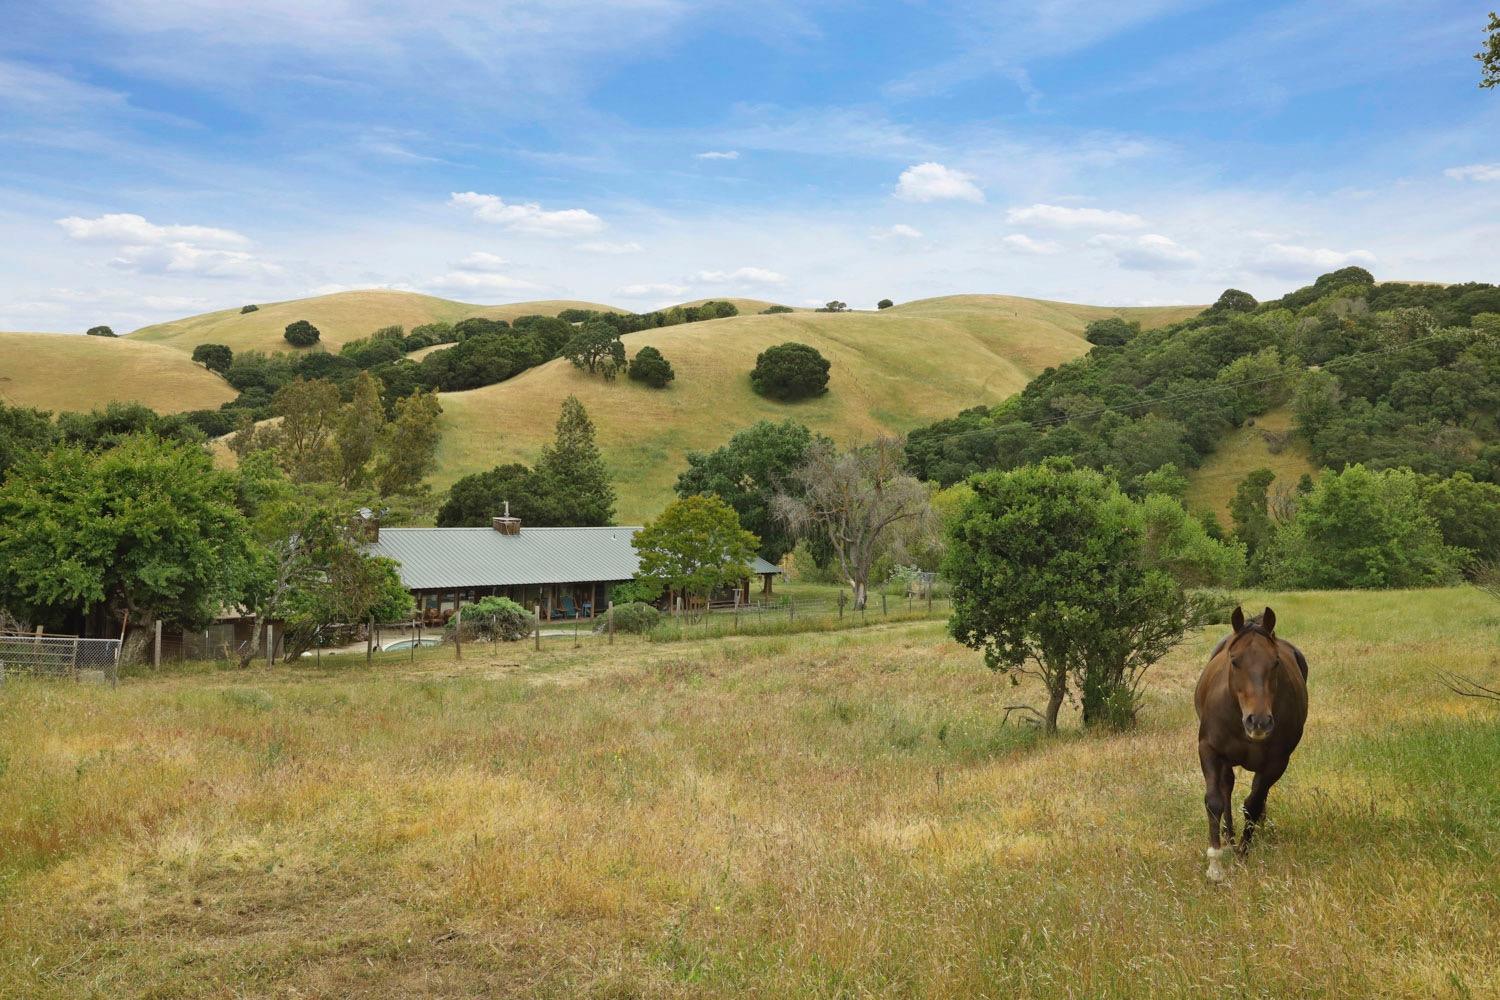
787, 816
55, 371
892, 370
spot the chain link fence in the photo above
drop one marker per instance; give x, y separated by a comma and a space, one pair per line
59, 656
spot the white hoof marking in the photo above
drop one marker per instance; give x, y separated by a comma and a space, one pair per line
1215, 864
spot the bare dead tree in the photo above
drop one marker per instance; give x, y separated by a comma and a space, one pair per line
862, 500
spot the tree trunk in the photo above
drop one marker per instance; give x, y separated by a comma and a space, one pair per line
1054, 705
255, 641
861, 594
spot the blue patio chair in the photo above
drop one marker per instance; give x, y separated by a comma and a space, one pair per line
568, 610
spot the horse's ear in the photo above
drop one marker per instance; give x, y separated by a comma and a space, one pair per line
1268, 621
1238, 619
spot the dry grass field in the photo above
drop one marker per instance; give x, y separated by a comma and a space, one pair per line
54, 371
841, 815
1240, 453
340, 317
892, 370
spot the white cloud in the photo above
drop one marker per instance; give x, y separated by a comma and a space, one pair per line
1025, 244
129, 229
1062, 217
926, 182
650, 290
741, 276
185, 258
1475, 172
712, 154
528, 217
612, 249
900, 231
479, 260
1151, 252
1289, 261
472, 281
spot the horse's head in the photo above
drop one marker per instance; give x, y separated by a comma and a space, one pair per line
1253, 673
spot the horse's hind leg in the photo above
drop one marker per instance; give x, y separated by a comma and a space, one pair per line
1216, 801
1255, 802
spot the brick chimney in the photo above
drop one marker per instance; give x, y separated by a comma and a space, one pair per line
506, 524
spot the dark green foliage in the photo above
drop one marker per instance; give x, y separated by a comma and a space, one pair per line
1111, 332
1467, 514
301, 333
773, 310
1248, 510
1361, 528
249, 309
747, 473
100, 331
495, 619
481, 359
375, 350
99, 429
1234, 301
211, 423
884, 304
635, 322
950, 450
573, 472
1489, 55
476, 326
476, 499
635, 618
22, 431
596, 348
834, 306
650, 367
548, 331
214, 357
790, 372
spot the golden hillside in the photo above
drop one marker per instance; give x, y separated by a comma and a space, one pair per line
58, 371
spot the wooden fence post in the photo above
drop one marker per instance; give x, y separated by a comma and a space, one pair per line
538, 627
929, 600
458, 633
883, 609
156, 648
77, 674
370, 639
416, 641
841, 605
610, 622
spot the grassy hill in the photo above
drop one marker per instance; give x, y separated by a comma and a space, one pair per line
55, 371
340, 317
892, 370
1242, 451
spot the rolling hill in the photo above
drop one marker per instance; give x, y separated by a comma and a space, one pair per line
892, 370
340, 317
1243, 450
56, 371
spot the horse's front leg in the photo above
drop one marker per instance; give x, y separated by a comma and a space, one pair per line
1216, 801
1255, 802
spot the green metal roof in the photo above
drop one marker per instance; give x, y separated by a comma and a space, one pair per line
449, 558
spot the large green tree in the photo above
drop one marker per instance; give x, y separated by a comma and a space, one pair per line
748, 472
1489, 55
409, 449
596, 348
1049, 580
694, 547
790, 372
650, 367
476, 499
147, 526
22, 431
214, 357
301, 333
357, 433
574, 472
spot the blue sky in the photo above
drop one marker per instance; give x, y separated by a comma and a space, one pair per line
164, 157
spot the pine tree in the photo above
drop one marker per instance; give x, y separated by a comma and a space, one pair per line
574, 471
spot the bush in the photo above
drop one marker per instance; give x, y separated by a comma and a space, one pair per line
884, 304
249, 309
495, 618
790, 372
650, 367
1235, 301
301, 334
773, 310
100, 331
636, 618
214, 357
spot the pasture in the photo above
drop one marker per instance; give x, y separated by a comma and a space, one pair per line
60, 372
830, 815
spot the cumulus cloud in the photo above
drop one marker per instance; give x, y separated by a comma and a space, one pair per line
1151, 252
479, 260
479, 281
185, 258
926, 182
1286, 260
613, 249
1025, 244
651, 290
900, 231
527, 217
1063, 217
740, 276
1475, 172
124, 229
714, 154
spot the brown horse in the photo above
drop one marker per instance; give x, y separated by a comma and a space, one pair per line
1252, 704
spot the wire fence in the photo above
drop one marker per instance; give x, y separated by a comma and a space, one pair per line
62, 656
796, 614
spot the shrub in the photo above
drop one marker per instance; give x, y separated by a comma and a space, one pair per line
650, 367
1112, 332
635, 591
100, 331
790, 372
214, 357
833, 306
636, 618
249, 309
301, 334
495, 618
884, 304
1235, 301
772, 310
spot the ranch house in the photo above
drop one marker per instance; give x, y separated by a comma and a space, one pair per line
568, 572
